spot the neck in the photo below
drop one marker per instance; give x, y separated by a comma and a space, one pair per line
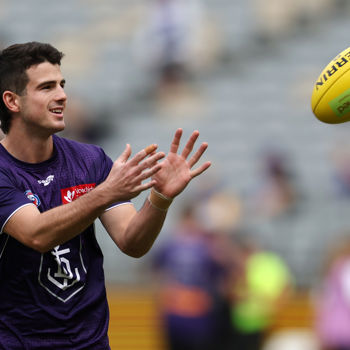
29, 150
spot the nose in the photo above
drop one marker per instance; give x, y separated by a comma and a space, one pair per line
61, 95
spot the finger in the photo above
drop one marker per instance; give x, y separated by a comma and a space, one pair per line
139, 156
200, 170
126, 154
138, 169
190, 143
176, 141
151, 161
150, 149
148, 173
194, 159
154, 158
145, 186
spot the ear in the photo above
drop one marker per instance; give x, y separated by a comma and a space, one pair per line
11, 101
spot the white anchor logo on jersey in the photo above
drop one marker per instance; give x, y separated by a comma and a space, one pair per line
64, 271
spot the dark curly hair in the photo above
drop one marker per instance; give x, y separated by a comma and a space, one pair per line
14, 62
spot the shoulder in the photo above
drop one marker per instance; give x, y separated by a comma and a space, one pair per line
75, 145
6, 175
8, 166
77, 148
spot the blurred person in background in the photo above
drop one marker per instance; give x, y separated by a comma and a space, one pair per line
332, 299
51, 191
175, 41
277, 194
193, 270
340, 166
265, 284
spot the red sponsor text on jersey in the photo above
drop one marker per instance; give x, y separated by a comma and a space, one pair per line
71, 193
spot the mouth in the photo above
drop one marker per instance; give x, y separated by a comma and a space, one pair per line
57, 111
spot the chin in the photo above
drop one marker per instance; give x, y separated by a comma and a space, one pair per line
57, 128
61, 126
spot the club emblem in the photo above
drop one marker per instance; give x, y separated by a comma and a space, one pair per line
33, 197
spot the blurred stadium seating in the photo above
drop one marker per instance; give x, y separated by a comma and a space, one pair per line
255, 95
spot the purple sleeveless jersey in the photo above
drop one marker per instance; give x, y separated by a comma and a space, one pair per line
55, 300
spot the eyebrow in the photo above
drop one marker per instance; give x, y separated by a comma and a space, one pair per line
49, 82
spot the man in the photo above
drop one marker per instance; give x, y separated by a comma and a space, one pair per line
51, 190
192, 274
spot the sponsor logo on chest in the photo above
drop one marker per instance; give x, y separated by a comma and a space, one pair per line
69, 194
47, 181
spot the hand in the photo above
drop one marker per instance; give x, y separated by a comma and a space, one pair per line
176, 171
125, 180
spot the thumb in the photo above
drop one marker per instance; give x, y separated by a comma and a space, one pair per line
126, 153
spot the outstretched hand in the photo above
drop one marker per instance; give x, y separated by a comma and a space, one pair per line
176, 169
126, 178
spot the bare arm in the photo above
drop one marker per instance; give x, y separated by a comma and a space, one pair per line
56, 226
135, 232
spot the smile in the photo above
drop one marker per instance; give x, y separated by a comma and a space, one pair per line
57, 110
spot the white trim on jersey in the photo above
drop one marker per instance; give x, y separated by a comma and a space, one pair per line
117, 205
2, 228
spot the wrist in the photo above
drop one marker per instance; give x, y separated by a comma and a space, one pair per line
159, 200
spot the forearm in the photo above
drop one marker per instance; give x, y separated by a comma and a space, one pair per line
66, 221
134, 232
143, 229
57, 225
125, 180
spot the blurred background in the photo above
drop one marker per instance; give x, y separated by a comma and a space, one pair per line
256, 251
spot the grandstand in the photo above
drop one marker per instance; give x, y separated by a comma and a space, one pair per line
255, 94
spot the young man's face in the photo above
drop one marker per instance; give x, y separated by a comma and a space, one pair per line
44, 100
